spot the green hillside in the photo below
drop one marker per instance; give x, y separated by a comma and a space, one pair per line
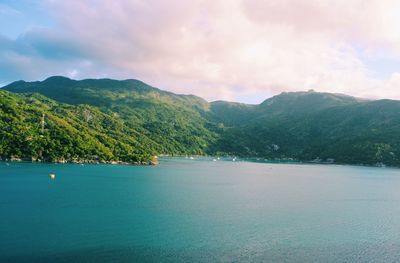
34, 127
319, 126
132, 121
173, 122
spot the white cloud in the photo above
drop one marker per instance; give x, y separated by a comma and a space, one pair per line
391, 88
226, 49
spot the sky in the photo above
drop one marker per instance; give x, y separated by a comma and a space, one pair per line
238, 50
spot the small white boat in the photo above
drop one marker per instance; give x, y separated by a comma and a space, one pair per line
214, 160
191, 158
52, 176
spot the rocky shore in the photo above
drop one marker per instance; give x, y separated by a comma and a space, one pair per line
153, 161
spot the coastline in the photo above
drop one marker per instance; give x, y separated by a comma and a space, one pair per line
281, 161
226, 158
152, 162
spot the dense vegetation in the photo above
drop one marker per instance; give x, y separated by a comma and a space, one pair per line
129, 121
69, 133
321, 127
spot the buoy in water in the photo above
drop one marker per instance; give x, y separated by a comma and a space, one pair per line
52, 176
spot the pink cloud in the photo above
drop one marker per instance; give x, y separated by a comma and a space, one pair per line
209, 47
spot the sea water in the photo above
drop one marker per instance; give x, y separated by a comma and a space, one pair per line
199, 211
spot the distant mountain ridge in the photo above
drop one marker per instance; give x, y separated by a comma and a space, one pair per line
303, 126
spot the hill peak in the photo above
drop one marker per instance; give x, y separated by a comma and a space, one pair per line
52, 78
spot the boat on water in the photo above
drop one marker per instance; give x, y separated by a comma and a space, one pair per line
52, 176
191, 158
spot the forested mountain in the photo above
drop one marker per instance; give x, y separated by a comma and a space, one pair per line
131, 121
173, 122
319, 126
34, 127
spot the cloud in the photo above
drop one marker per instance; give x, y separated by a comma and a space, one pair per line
216, 49
6, 10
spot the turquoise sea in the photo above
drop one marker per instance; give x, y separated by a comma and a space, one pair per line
199, 211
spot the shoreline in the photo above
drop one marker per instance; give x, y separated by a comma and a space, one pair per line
85, 161
223, 158
282, 161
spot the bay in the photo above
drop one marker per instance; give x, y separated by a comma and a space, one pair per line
199, 211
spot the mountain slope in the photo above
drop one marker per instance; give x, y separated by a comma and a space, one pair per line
309, 125
304, 126
79, 133
174, 122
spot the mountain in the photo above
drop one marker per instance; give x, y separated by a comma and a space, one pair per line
37, 128
319, 126
303, 126
173, 122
